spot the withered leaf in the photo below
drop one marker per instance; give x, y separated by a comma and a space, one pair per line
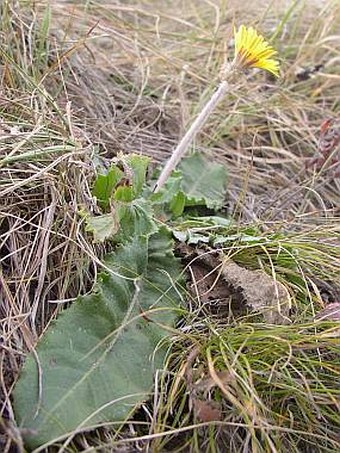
260, 291
208, 383
207, 411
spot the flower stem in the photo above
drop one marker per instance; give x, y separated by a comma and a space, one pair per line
190, 134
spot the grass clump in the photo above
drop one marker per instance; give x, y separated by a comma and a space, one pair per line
233, 379
269, 388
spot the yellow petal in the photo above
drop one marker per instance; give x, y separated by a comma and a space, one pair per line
252, 51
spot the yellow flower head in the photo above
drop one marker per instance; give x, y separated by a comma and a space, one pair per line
252, 51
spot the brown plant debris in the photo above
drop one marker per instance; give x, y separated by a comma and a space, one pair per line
260, 291
207, 411
220, 284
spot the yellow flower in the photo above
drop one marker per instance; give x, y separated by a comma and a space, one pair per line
252, 51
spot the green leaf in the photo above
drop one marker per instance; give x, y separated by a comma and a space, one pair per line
136, 219
169, 191
135, 168
215, 230
170, 201
198, 182
103, 227
126, 221
104, 185
97, 361
138, 165
124, 193
177, 204
122, 185
203, 181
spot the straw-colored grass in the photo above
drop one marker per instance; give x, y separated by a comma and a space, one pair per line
82, 78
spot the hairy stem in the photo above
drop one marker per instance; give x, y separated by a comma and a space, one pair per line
190, 134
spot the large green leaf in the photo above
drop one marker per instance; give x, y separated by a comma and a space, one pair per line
203, 181
97, 361
197, 182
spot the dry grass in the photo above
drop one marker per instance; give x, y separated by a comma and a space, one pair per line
129, 76
152, 70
